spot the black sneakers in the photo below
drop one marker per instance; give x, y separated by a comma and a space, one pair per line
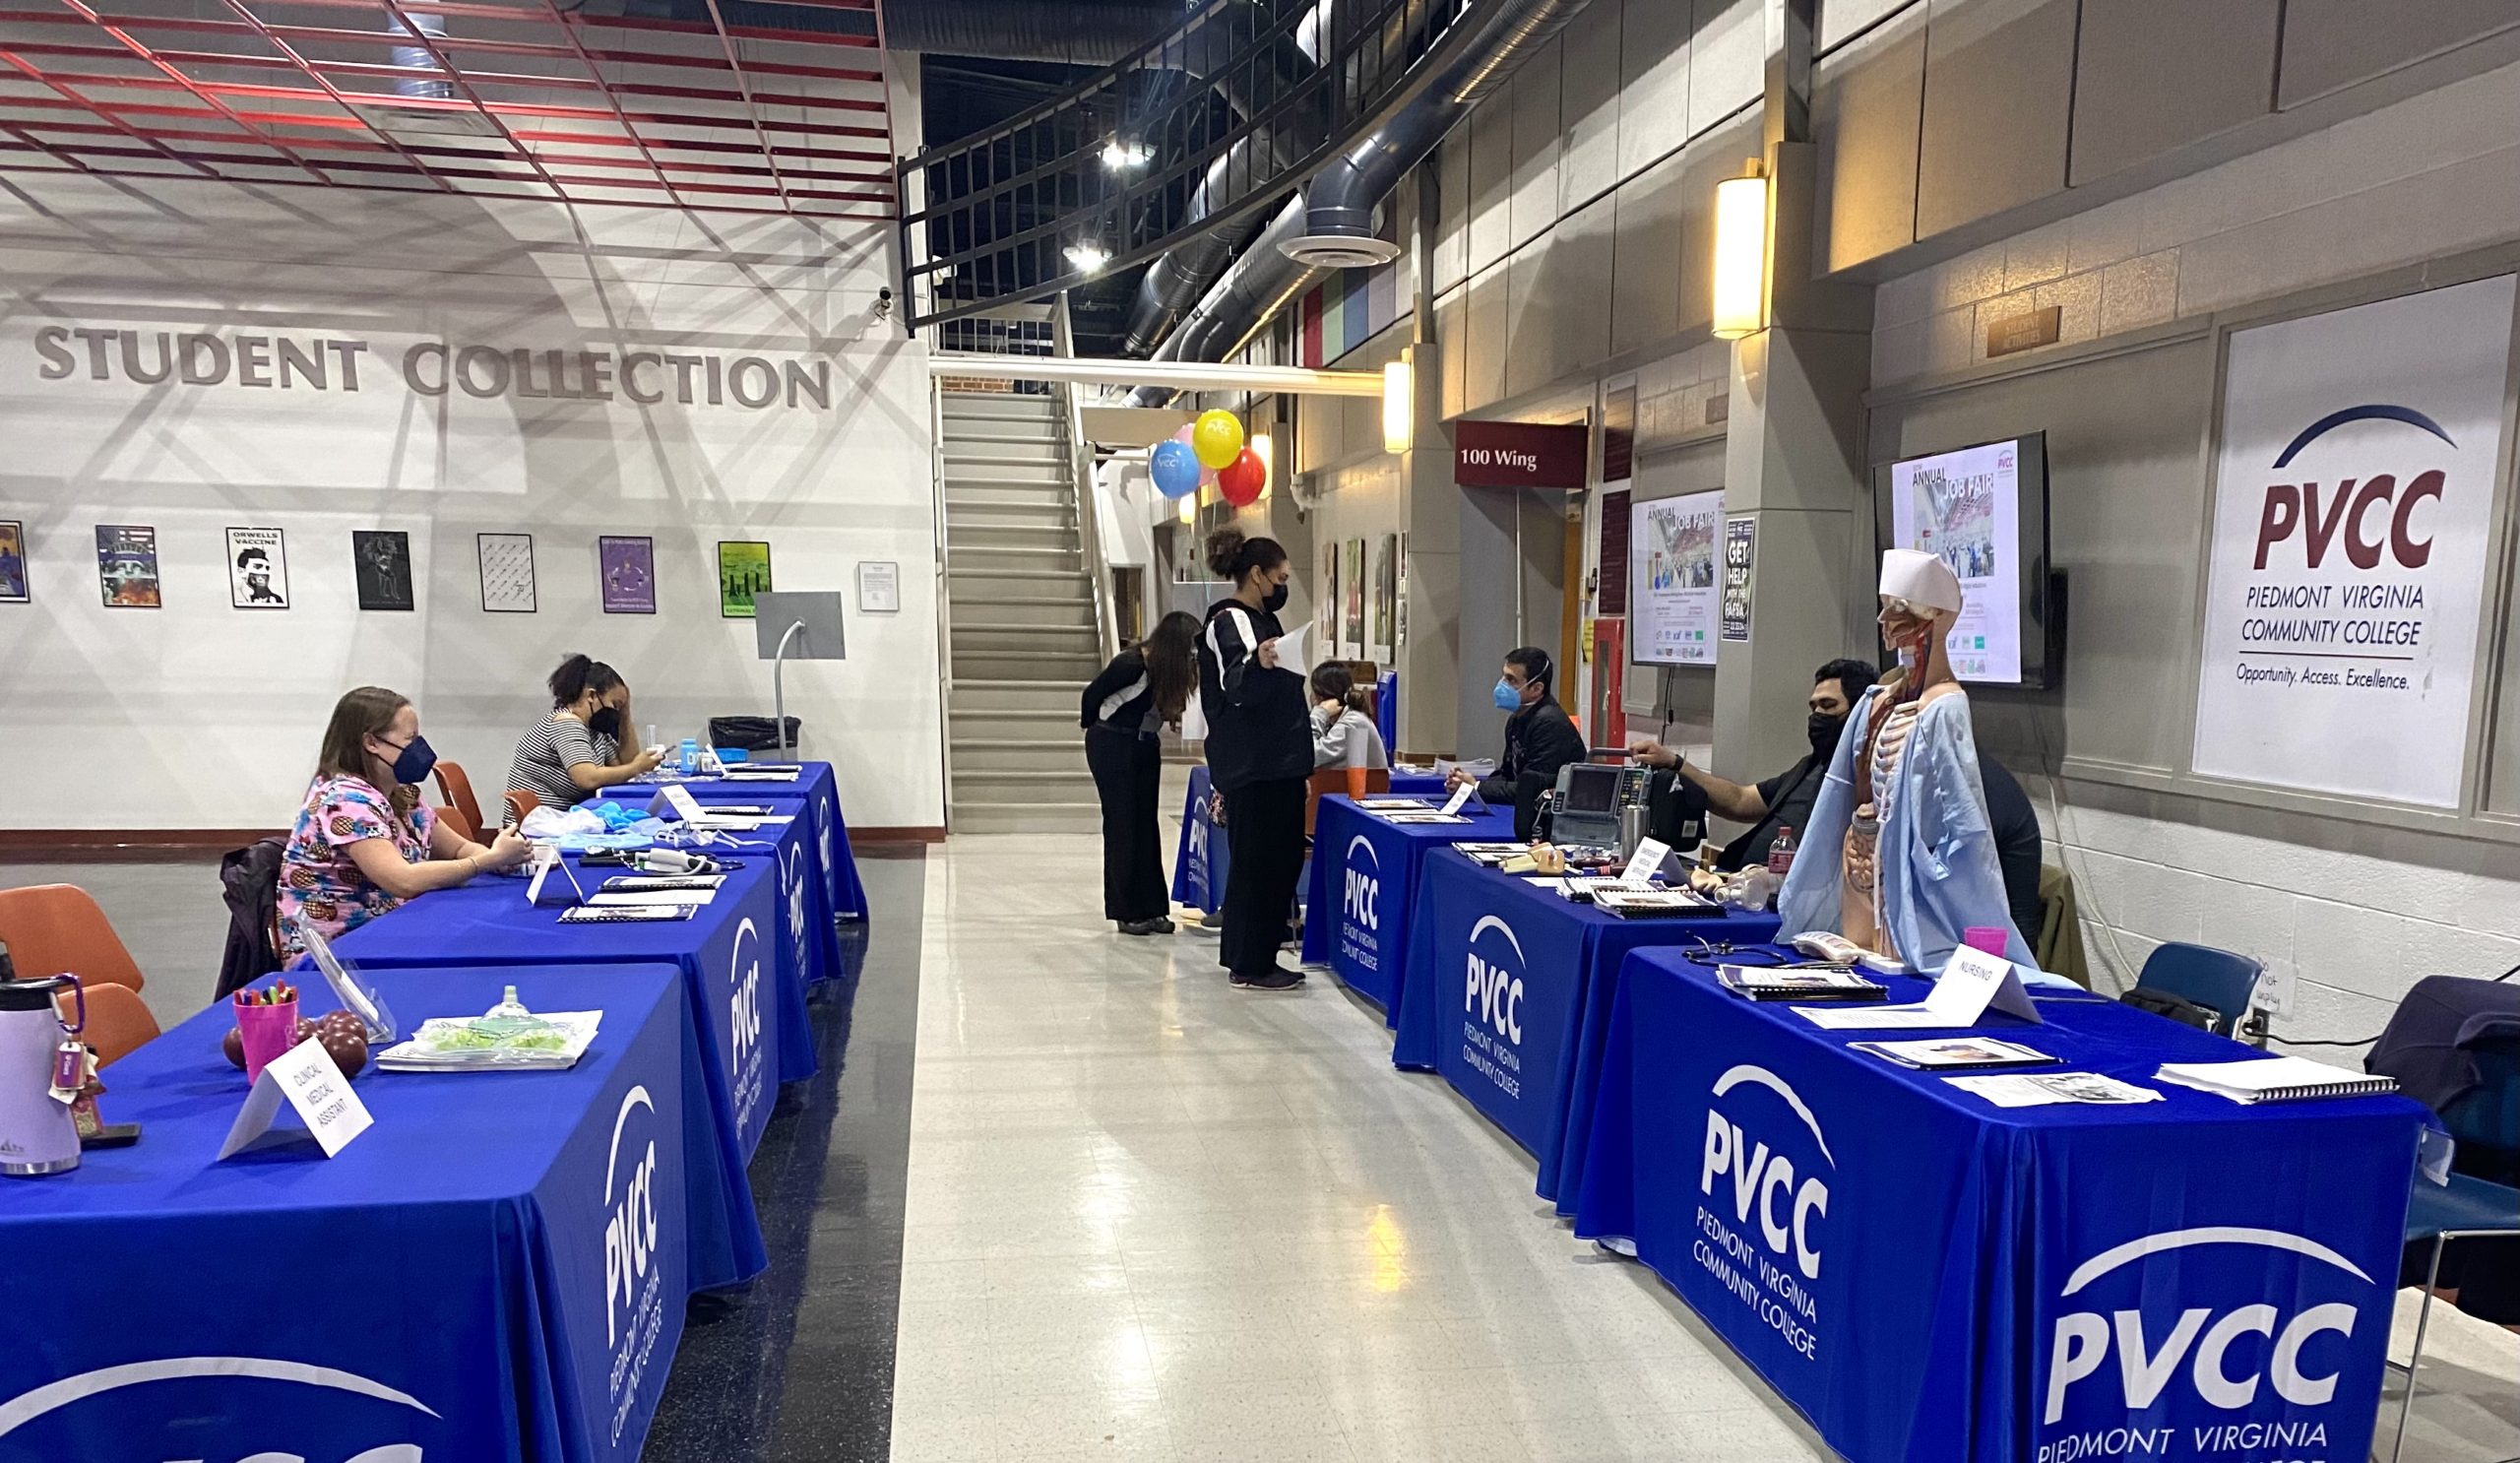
1274, 980
1156, 926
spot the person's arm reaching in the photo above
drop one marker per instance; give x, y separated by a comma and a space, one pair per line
590, 772
625, 742
1329, 742
1727, 798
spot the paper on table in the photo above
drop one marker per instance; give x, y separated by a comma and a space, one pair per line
635, 898
1552, 883
2041, 1089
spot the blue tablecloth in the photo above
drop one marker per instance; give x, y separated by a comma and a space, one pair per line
806, 919
497, 1269
1928, 1277
1504, 980
745, 994
819, 791
1365, 870
1200, 863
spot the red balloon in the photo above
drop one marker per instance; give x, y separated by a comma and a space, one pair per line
1241, 479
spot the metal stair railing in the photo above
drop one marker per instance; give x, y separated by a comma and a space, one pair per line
1087, 497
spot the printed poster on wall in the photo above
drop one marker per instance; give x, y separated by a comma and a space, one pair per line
1326, 601
1352, 582
1962, 506
743, 571
1378, 641
127, 566
12, 563
382, 561
507, 572
1740, 552
2353, 497
257, 569
1672, 591
626, 566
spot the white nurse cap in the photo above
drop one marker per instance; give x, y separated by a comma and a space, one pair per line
1922, 579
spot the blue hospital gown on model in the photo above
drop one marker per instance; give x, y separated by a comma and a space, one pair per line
1936, 869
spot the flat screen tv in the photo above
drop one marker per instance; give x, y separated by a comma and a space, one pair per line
1984, 509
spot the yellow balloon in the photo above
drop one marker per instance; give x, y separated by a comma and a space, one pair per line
1217, 440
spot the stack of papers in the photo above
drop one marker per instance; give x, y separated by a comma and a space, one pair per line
645, 898
1581, 888
1382, 805
1798, 983
485, 1043
2043, 1089
1955, 1051
745, 773
1654, 904
2271, 1079
1489, 855
1425, 818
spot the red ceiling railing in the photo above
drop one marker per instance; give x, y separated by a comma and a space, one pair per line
539, 100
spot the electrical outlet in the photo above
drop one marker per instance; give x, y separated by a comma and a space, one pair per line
2276, 987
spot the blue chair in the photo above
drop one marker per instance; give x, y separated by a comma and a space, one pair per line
2216, 980
2487, 1118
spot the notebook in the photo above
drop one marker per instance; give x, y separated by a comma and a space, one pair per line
2271, 1079
1798, 983
639, 914
1655, 904
1955, 1051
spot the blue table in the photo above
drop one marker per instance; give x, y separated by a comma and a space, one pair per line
496, 1270
806, 919
1504, 980
745, 994
1926, 1276
819, 791
1365, 870
1200, 863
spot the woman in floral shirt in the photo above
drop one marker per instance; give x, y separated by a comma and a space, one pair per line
365, 842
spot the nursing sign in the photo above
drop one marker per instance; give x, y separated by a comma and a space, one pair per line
2354, 495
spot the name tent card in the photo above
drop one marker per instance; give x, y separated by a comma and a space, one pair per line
1972, 984
1648, 860
1461, 795
307, 1079
547, 857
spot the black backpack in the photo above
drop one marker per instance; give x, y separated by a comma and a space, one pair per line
2177, 1008
249, 881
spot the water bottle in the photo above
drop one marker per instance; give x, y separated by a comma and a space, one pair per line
690, 755
1781, 853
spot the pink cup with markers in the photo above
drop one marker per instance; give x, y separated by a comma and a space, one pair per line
1987, 937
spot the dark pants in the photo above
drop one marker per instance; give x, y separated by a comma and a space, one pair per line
1125, 773
1264, 828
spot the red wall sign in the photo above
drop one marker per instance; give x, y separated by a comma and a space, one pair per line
1519, 454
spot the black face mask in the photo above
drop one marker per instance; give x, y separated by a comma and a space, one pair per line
607, 722
1274, 599
1824, 731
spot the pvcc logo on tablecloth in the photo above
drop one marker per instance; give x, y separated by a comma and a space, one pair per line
2229, 1358
1766, 1216
743, 1019
1491, 1005
27, 1409
792, 874
1362, 889
633, 1282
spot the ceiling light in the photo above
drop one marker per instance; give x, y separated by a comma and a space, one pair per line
1087, 258
1118, 154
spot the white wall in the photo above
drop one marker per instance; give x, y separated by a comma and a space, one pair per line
2354, 913
199, 715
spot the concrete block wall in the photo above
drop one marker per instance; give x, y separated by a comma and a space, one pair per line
2428, 177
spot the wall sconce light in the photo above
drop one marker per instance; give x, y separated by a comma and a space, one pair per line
1399, 406
1741, 254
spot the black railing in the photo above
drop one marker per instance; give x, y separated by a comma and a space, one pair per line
1202, 128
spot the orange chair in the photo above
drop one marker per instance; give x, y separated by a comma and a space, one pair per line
1356, 782
118, 1023
453, 817
521, 801
454, 790
51, 928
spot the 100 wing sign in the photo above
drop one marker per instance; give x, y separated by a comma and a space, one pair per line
2156, 1353
1360, 905
221, 1407
1763, 1200
2354, 501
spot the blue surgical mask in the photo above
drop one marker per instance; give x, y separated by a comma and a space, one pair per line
1507, 697
413, 762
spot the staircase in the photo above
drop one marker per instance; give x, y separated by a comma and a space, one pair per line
1024, 637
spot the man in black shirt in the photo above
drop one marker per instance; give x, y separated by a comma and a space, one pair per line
2018, 851
1780, 802
1540, 737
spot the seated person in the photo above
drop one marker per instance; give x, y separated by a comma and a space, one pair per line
1343, 735
1540, 738
2019, 851
584, 745
1784, 800
363, 842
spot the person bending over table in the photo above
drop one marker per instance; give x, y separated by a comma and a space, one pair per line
363, 842
584, 745
1540, 737
1784, 800
1124, 711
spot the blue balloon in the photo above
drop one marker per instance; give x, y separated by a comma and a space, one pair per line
1175, 469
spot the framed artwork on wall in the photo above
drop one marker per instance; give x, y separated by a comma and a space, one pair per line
507, 572
14, 588
1378, 640
381, 558
1352, 584
1326, 601
743, 571
257, 569
127, 566
626, 566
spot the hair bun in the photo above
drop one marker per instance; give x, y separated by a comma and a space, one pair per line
1224, 545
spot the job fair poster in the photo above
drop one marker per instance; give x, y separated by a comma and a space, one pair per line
2353, 497
1671, 578
1966, 506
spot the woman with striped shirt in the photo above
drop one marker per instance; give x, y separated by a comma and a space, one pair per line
584, 745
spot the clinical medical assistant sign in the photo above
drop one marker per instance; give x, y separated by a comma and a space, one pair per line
2354, 497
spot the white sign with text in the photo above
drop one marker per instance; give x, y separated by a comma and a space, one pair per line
306, 1077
